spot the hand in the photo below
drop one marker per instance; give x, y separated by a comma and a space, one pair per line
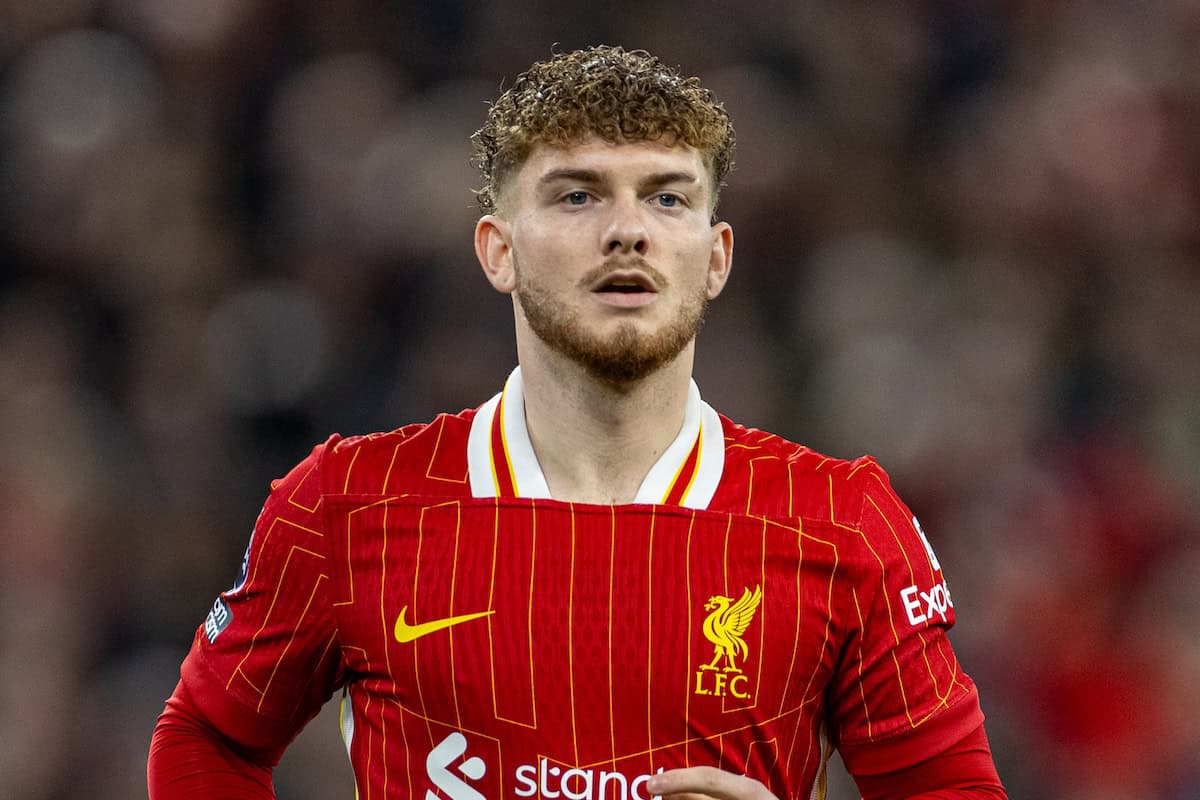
696, 783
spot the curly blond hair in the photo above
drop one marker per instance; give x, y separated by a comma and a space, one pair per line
604, 91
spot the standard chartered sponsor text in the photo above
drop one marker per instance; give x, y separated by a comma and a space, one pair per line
546, 780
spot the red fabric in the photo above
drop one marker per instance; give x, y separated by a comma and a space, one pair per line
900, 692
964, 772
892, 754
190, 760
567, 634
263, 663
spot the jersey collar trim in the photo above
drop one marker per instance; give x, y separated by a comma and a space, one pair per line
501, 461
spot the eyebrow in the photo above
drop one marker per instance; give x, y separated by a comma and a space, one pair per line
567, 174
665, 178
593, 177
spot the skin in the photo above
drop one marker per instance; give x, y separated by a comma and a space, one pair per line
706, 783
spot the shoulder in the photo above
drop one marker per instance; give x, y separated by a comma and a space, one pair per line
768, 475
421, 457
848, 503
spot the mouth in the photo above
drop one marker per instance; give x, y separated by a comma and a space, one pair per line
625, 282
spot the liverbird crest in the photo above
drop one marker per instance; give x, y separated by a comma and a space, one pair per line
726, 623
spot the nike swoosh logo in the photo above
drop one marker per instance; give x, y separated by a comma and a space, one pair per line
407, 633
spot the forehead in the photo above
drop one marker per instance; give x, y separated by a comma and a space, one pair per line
611, 161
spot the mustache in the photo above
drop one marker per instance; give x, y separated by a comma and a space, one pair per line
600, 273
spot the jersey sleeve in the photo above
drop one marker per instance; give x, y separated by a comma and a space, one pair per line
900, 697
266, 658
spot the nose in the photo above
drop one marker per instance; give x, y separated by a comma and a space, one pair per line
626, 231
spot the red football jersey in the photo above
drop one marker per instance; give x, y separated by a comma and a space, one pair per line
758, 605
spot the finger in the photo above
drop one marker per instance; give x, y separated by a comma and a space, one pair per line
707, 782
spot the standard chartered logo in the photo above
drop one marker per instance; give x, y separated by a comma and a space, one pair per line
437, 766
542, 779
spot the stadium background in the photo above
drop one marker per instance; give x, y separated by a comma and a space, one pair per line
967, 243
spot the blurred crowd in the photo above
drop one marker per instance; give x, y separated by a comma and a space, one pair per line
967, 241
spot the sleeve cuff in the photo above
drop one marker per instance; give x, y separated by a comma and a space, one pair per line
913, 745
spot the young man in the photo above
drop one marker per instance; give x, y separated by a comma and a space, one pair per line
592, 586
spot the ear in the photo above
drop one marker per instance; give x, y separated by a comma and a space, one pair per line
720, 260
493, 248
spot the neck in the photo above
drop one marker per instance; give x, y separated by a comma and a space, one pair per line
596, 442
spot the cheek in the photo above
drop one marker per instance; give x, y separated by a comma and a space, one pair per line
540, 265
532, 237
551, 256
695, 263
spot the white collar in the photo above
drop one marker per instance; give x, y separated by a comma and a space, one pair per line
501, 461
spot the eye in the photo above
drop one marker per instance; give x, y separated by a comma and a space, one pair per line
667, 200
576, 198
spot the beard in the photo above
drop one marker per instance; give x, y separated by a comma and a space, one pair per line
618, 358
